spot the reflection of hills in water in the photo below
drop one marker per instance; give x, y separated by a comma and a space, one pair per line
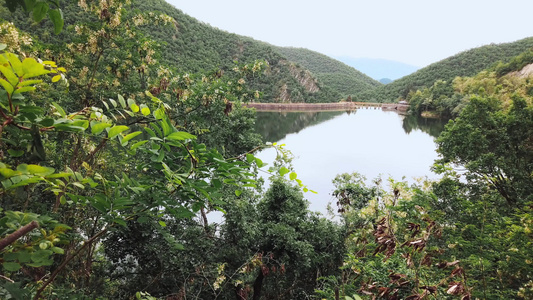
274, 126
433, 127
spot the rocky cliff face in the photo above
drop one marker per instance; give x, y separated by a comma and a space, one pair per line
303, 77
526, 71
284, 94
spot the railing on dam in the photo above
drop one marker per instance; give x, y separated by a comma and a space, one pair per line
337, 106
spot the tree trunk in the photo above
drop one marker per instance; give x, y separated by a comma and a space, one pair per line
258, 284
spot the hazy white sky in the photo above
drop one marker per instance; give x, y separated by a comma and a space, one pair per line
417, 32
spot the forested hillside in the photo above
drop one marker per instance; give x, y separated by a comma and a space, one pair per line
188, 45
467, 63
333, 73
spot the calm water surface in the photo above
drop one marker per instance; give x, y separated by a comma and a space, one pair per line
371, 142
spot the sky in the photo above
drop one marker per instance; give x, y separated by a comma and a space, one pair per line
416, 32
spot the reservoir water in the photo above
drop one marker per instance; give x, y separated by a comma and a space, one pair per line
371, 142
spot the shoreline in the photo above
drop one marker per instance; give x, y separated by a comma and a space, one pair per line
336, 106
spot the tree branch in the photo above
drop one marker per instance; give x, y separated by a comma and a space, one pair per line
10, 239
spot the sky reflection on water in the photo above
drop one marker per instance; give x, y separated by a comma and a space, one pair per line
370, 142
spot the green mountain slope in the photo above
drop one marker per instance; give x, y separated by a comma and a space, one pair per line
339, 76
296, 75
193, 46
467, 63
190, 46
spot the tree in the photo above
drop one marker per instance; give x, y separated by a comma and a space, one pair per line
494, 145
280, 247
94, 165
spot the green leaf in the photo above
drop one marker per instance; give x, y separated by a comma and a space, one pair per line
138, 144
15, 153
11, 266
161, 156
134, 108
39, 11
29, 82
115, 130
122, 101
180, 136
159, 113
47, 122
7, 86
238, 193
32, 68
56, 16
167, 126
56, 78
145, 110
99, 127
9, 75
40, 170
113, 102
283, 171
69, 127
24, 257
41, 256
162, 223
220, 209
24, 89
81, 123
81, 186
216, 183
120, 222
59, 109
15, 62
150, 132
23, 168
293, 176
57, 250
259, 162
7, 173
58, 175
11, 256
130, 136
249, 158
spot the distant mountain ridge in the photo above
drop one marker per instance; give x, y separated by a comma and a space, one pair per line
379, 68
467, 63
